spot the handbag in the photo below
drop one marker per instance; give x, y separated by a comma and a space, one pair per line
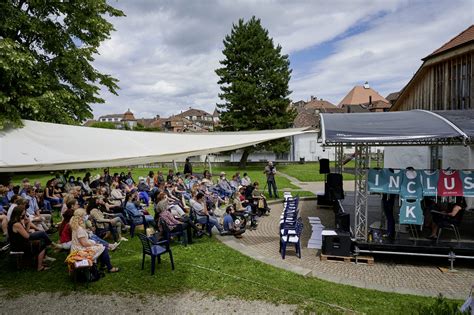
261, 203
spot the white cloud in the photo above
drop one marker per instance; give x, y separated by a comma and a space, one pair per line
165, 52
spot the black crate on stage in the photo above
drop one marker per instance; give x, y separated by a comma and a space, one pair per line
343, 222
337, 245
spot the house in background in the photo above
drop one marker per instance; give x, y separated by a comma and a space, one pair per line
443, 82
305, 146
364, 99
392, 98
200, 118
119, 120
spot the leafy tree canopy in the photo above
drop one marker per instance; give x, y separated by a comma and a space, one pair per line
254, 81
46, 50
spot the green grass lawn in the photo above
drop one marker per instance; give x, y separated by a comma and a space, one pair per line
308, 172
211, 267
255, 173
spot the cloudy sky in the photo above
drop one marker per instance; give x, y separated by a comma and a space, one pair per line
165, 52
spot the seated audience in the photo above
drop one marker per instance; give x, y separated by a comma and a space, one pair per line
230, 226
198, 205
81, 241
21, 239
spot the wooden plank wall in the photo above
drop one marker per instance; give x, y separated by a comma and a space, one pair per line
447, 85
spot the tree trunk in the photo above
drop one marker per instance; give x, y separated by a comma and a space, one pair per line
243, 159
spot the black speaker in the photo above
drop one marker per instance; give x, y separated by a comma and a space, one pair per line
343, 222
336, 190
324, 166
337, 245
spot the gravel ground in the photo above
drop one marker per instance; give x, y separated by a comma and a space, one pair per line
187, 303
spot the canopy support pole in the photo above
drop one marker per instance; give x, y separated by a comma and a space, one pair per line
175, 166
339, 155
209, 163
361, 205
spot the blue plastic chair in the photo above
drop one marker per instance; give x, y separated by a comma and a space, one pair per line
168, 234
155, 249
288, 237
134, 220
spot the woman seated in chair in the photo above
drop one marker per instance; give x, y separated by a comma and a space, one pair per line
98, 216
22, 241
133, 208
258, 199
175, 223
198, 205
243, 207
445, 215
162, 203
81, 240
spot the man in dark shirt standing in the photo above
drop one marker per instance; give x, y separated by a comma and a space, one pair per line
188, 167
270, 171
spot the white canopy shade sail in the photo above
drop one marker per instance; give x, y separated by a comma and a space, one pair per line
40, 146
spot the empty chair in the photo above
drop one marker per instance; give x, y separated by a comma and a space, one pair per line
155, 249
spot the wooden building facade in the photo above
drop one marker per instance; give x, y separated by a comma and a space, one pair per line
445, 80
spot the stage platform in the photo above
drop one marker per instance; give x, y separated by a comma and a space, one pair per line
404, 244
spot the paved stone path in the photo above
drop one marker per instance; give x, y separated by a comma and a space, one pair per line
394, 274
313, 187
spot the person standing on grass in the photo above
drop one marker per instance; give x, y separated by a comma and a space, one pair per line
188, 167
270, 172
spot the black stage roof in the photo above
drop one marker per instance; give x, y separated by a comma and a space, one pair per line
415, 127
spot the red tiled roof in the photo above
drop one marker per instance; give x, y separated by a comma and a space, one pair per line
193, 112
462, 38
319, 104
360, 95
306, 118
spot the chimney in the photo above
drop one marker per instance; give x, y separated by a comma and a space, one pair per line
366, 85
313, 98
157, 116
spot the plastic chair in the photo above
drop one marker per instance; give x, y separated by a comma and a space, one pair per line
134, 220
102, 232
205, 227
155, 249
168, 234
288, 237
452, 224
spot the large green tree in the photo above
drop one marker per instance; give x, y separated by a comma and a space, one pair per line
254, 84
46, 50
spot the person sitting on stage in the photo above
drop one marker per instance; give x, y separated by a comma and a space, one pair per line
440, 216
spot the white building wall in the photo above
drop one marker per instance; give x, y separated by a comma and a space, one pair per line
455, 157
306, 146
417, 157
458, 157
254, 156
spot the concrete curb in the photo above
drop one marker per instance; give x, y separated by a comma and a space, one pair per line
230, 242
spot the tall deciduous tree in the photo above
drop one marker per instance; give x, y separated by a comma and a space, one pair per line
254, 84
46, 50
